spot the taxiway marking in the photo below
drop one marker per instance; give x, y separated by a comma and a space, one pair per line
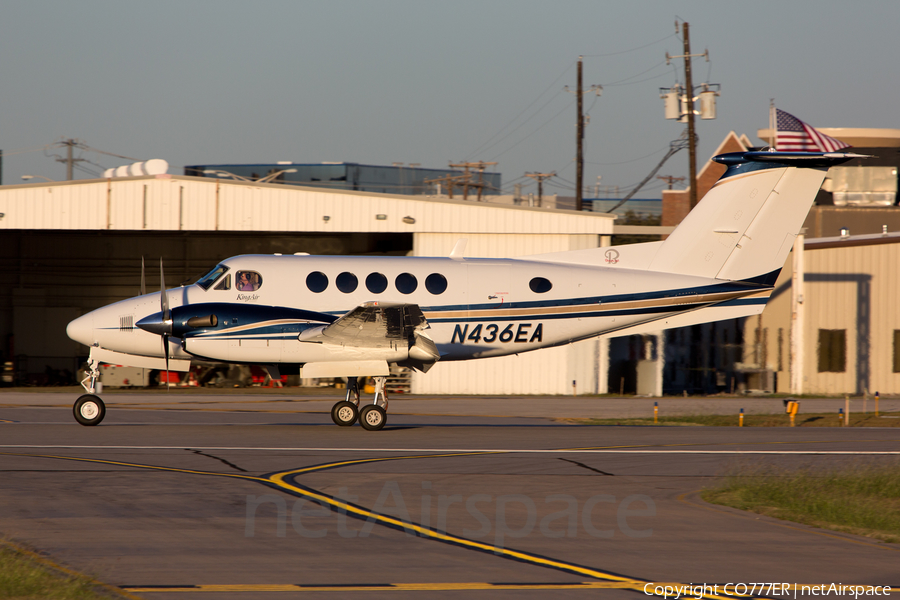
601, 450
284, 481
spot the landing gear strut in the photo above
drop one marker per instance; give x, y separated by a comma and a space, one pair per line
372, 417
89, 409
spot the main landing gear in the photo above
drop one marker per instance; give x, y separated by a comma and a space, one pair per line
372, 417
89, 409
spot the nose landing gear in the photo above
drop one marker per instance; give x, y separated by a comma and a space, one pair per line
89, 409
372, 417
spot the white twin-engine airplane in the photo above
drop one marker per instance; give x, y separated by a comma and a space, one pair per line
343, 316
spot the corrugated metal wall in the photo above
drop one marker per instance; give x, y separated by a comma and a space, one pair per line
852, 288
855, 289
173, 203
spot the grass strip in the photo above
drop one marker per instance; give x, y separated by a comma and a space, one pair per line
776, 420
860, 499
24, 575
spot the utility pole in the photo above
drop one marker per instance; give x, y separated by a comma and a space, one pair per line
689, 83
688, 104
579, 157
670, 179
466, 176
579, 134
540, 181
69, 160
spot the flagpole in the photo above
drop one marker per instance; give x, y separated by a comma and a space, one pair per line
773, 123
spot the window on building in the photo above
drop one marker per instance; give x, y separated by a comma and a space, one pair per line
832, 350
862, 186
897, 351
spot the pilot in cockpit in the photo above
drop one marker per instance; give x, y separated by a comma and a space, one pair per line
248, 281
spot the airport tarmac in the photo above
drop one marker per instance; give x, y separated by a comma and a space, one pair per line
257, 496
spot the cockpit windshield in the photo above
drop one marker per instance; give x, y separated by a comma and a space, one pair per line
210, 278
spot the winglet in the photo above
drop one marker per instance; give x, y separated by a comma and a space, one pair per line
459, 249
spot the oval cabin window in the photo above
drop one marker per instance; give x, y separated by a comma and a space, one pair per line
347, 282
317, 281
406, 283
436, 283
376, 283
540, 285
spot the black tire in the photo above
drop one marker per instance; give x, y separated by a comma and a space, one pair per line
344, 413
372, 417
89, 410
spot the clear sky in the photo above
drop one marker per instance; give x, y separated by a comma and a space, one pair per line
420, 81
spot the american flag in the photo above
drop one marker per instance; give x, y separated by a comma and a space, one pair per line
796, 136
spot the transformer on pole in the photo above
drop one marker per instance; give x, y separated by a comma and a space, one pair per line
679, 104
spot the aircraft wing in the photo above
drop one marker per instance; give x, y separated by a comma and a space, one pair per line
371, 324
381, 325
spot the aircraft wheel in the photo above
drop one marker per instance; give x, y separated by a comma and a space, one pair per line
372, 417
89, 410
344, 413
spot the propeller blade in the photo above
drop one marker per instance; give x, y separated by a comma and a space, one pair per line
165, 340
163, 296
143, 278
166, 316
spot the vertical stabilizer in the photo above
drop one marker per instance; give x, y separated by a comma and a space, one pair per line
745, 226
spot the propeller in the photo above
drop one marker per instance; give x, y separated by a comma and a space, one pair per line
166, 328
143, 279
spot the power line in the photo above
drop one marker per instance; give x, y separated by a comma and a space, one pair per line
535, 131
549, 87
671, 35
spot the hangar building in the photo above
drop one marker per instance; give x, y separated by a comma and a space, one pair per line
69, 247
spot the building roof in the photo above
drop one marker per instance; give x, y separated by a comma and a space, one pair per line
849, 241
180, 203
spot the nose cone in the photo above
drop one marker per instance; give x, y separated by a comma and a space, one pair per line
156, 324
82, 330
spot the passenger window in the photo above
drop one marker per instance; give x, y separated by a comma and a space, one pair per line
406, 283
376, 283
436, 283
539, 285
347, 282
247, 281
317, 281
225, 284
